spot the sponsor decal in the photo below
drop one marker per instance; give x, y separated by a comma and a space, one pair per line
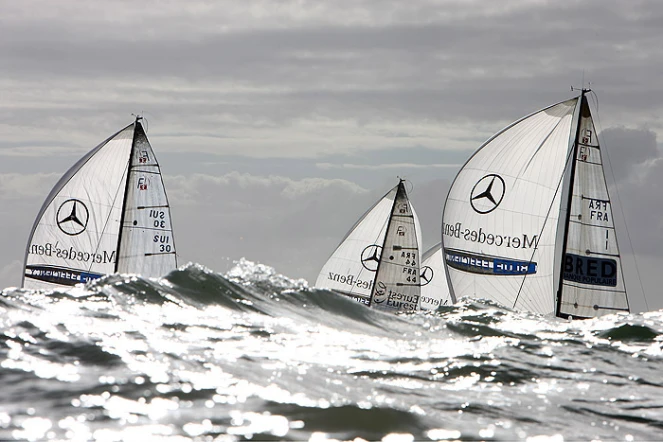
359, 299
432, 301
380, 294
487, 193
59, 275
517, 241
586, 140
70, 253
488, 265
399, 301
350, 280
370, 257
426, 275
387, 298
142, 183
144, 157
72, 217
590, 270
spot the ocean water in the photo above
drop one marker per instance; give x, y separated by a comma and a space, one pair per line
254, 355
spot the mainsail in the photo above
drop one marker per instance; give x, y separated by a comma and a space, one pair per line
434, 286
109, 213
528, 220
377, 263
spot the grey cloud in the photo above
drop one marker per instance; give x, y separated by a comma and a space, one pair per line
632, 155
294, 224
642, 206
627, 148
478, 60
18, 186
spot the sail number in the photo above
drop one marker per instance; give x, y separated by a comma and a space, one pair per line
598, 210
163, 242
159, 218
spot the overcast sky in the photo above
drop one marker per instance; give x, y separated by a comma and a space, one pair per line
277, 123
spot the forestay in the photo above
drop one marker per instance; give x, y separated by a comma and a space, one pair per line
76, 236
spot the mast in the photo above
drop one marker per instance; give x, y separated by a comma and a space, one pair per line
126, 192
400, 189
569, 200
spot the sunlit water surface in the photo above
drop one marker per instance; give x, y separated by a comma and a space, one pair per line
255, 355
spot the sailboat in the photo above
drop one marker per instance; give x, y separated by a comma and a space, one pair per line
434, 287
528, 220
109, 213
377, 263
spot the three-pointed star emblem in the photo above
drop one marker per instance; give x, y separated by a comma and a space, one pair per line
487, 193
72, 217
370, 257
426, 275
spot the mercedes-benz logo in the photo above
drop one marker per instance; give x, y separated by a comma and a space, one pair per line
370, 257
426, 276
487, 193
72, 217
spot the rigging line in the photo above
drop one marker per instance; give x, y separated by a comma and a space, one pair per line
559, 183
621, 209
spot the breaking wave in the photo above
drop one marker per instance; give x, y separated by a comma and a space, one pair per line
252, 354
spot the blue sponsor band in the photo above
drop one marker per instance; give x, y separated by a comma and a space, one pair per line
59, 275
487, 265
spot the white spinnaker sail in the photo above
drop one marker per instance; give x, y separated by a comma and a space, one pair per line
351, 268
75, 236
592, 278
397, 286
500, 218
434, 286
146, 241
